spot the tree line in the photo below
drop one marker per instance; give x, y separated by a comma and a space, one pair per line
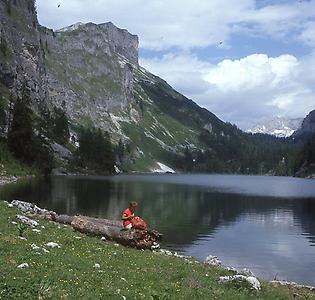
30, 136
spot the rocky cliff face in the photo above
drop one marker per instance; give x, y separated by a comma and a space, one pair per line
20, 55
307, 129
90, 67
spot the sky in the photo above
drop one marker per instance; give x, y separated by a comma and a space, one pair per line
244, 60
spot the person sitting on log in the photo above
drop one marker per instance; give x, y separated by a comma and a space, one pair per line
129, 214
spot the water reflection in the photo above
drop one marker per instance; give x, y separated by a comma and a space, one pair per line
271, 235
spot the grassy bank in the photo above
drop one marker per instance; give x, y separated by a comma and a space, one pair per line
9, 166
69, 272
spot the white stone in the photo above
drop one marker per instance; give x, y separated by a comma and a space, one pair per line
246, 272
14, 223
155, 246
36, 230
23, 266
97, 266
35, 247
253, 281
213, 261
103, 238
52, 245
293, 284
26, 221
28, 207
166, 252
45, 250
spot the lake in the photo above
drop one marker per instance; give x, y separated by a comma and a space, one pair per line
266, 224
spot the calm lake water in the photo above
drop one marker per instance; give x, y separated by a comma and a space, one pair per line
266, 224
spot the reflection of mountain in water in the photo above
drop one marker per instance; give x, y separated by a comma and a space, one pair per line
182, 212
305, 214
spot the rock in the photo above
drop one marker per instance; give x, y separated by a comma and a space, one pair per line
292, 284
22, 238
97, 266
103, 238
155, 246
52, 245
45, 250
166, 252
26, 221
27, 207
36, 230
61, 153
14, 223
213, 261
246, 272
252, 281
23, 266
35, 247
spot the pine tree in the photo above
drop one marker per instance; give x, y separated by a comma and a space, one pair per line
95, 150
3, 121
60, 129
21, 135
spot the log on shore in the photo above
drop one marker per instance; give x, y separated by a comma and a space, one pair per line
63, 219
113, 230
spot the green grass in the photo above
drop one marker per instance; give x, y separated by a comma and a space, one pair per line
69, 273
9, 166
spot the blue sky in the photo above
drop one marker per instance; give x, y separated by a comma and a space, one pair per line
244, 60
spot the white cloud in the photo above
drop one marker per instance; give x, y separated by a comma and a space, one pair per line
308, 34
245, 90
253, 71
163, 24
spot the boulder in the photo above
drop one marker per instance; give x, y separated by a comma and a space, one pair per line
213, 261
26, 221
252, 281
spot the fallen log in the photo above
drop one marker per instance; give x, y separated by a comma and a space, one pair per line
63, 219
110, 229
113, 230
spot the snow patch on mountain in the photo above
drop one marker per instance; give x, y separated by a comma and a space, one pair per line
280, 127
161, 168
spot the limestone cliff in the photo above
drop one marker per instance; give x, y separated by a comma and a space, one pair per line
21, 56
92, 72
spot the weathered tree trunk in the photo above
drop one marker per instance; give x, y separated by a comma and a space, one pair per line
113, 230
63, 219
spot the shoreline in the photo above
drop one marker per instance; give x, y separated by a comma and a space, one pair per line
212, 261
74, 264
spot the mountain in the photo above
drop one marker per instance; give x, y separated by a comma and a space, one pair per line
91, 73
305, 162
307, 129
280, 127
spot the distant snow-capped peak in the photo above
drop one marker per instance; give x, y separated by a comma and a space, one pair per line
280, 127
